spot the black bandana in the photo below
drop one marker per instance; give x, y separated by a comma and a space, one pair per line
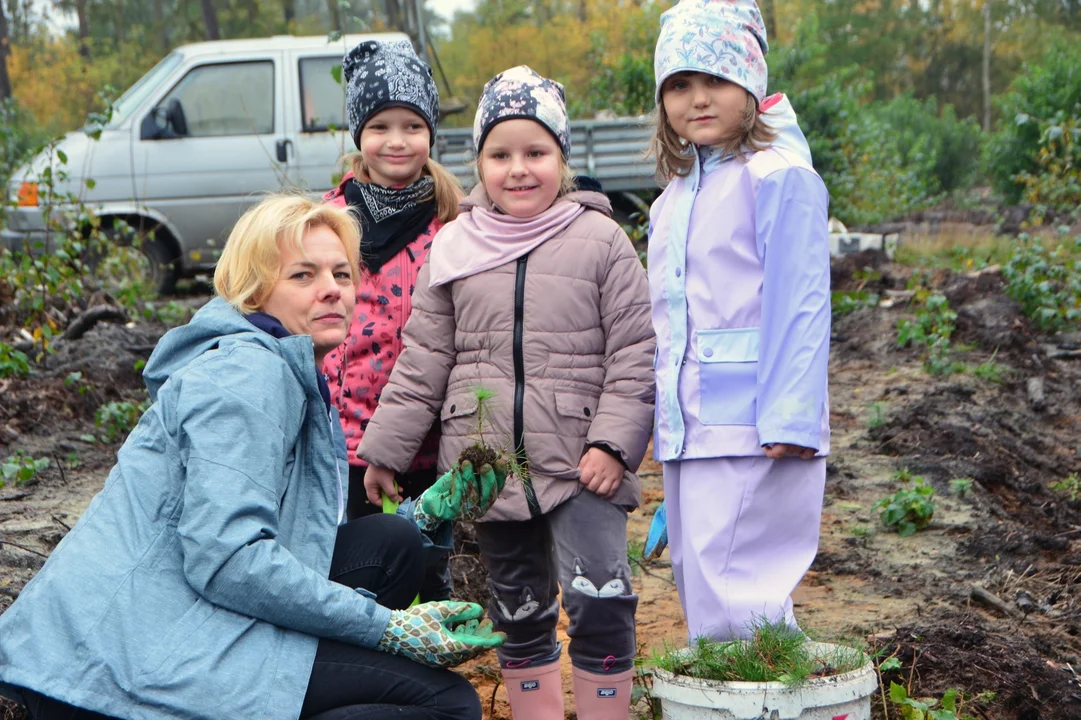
391, 218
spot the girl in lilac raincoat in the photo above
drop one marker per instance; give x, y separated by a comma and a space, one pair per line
739, 282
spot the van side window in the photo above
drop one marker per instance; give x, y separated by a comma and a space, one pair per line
322, 96
227, 99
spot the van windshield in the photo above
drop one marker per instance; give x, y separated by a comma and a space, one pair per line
133, 97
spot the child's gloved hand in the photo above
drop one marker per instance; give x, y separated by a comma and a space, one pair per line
440, 634
657, 538
460, 494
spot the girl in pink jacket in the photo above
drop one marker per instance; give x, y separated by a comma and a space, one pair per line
402, 198
537, 294
739, 281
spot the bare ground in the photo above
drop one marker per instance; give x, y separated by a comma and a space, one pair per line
986, 599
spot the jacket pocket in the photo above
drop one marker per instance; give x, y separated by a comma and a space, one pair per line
577, 405
458, 405
728, 376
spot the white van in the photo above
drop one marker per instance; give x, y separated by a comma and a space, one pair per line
196, 141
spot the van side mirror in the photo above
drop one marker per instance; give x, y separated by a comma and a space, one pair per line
165, 122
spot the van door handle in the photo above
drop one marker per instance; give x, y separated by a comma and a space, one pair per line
283, 150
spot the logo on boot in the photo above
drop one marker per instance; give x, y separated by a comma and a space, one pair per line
530, 685
606, 692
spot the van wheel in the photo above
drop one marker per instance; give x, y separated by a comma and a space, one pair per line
156, 267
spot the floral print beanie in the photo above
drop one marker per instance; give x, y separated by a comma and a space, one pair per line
379, 75
521, 93
726, 38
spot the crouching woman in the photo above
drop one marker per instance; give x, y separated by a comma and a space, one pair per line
213, 577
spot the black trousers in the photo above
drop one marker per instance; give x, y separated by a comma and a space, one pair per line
436, 583
383, 555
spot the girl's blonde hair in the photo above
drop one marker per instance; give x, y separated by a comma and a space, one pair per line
250, 263
448, 191
752, 134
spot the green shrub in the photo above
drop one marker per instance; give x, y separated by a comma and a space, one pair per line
1046, 281
1042, 93
1056, 183
910, 508
945, 147
932, 329
21, 468
13, 363
117, 419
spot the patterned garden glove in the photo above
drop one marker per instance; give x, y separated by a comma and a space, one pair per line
657, 538
461, 494
440, 634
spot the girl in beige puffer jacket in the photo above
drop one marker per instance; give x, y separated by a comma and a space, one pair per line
536, 293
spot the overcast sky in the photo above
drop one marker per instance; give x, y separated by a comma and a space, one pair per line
447, 8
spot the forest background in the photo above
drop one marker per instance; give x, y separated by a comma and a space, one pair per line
906, 104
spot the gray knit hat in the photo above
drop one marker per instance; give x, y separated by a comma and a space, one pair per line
521, 93
379, 75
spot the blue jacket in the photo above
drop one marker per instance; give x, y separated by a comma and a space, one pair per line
195, 584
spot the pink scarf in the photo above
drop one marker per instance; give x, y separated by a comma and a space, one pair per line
483, 238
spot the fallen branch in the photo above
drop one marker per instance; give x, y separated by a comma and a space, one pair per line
23, 548
91, 317
989, 599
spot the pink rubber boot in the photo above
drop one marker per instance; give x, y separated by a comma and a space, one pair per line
535, 692
603, 697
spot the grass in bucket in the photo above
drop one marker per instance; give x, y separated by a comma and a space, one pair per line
775, 652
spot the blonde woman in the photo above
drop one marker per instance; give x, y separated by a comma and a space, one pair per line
212, 577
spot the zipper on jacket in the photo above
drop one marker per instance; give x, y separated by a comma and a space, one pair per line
519, 385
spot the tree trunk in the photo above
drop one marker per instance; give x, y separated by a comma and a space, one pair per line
210, 18
159, 21
394, 15
253, 14
335, 16
5, 80
987, 65
769, 14
84, 27
120, 21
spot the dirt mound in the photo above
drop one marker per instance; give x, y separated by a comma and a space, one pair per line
468, 577
950, 648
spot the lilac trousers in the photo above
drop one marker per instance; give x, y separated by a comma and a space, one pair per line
742, 533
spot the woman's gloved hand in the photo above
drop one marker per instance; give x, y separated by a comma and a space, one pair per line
440, 634
460, 494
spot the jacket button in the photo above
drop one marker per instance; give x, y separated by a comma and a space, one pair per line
679, 272
708, 352
586, 411
453, 408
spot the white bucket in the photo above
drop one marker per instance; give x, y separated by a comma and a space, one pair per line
839, 697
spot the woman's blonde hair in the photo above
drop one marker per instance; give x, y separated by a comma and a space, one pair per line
250, 263
448, 191
674, 159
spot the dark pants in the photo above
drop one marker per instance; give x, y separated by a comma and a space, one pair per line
436, 584
581, 545
381, 554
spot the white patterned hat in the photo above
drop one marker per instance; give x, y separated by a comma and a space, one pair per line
726, 38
